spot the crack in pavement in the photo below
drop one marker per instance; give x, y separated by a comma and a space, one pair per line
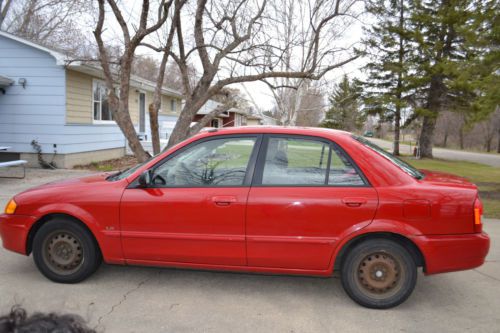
124, 297
487, 275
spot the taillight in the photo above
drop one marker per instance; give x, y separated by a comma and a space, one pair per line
478, 215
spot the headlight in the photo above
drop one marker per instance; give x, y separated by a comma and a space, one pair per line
11, 207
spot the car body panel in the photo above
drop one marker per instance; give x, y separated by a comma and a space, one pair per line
293, 230
184, 225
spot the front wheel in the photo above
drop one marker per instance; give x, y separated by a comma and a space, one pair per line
65, 251
379, 274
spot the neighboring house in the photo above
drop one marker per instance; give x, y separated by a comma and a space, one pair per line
254, 120
232, 118
62, 105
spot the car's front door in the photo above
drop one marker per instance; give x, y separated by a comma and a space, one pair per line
306, 193
194, 212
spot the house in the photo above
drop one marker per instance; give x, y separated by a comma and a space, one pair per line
62, 106
254, 120
232, 118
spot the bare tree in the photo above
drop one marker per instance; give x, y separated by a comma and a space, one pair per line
296, 28
312, 107
231, 42
118, 100
489, 128
48, 22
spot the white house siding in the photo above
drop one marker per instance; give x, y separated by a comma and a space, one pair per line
35, 112
38, 111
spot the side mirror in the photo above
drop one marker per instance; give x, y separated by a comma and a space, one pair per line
145, 179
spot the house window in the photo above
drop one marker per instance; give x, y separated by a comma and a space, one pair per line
238, 119
173, 105
216, 123
102, 111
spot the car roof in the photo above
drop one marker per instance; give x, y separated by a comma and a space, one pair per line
312, 131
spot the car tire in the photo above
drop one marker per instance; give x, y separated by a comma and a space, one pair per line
65, 251
378, 273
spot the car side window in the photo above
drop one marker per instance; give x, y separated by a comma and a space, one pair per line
342, 172
217, 162
295, 161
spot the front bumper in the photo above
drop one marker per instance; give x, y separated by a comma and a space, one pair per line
447, 253
14, 231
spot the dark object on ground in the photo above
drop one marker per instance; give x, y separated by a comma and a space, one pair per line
18, 321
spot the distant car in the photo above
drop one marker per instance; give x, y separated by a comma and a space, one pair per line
368, 134
262, 199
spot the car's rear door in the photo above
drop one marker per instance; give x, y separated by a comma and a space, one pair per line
306, 194
195, 210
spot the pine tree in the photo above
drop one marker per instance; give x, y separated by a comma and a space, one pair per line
345, 112
446, 38
485, 72
386, 90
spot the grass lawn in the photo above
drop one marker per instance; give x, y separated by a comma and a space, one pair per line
484, 176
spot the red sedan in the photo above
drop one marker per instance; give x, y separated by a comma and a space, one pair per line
269, 200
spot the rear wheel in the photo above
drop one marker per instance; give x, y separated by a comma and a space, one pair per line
65, 251
379, 274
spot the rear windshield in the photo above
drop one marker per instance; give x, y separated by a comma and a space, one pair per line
399, 163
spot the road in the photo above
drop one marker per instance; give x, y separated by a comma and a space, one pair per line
140, 299
448, 154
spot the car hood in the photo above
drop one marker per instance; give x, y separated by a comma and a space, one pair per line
442, 178
71, 182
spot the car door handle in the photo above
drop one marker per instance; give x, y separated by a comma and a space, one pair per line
223, 200
354, 202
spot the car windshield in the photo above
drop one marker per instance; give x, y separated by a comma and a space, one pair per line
125, 172
400, 163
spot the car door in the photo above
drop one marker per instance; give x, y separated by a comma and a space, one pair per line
194, 211
306, 193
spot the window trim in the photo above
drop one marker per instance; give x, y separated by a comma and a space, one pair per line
173, 105
261, 159
99, 121
247, 181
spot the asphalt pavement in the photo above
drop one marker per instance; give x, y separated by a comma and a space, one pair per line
447, 154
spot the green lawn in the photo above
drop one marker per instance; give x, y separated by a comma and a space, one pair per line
484, 176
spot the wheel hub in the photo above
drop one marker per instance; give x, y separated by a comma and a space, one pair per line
63, 252
379, 272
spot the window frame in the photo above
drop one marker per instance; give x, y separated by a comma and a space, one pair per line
173, 105
100, 121
261, 159
247, 181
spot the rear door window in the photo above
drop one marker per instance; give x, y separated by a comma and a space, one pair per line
295, 161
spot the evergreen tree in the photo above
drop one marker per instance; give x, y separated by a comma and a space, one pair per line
345, 112
447, 41
386, 90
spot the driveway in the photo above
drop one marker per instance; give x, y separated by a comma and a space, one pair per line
140, 299
448, 154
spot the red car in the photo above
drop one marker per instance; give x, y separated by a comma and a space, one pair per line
263, 199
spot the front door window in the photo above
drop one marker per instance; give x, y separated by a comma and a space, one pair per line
218, 162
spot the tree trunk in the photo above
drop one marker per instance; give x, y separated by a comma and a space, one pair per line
433, 105
445, 140
124, 121
397, 130
498, 144
401, 50
488, 143
461, 137
153, 123
426, 136
182, 127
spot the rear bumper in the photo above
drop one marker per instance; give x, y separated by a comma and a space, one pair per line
14, 231
447, 253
